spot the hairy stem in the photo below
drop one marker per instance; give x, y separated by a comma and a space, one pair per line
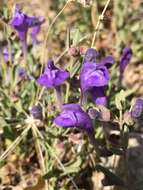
14, 144
99, 22
56, 157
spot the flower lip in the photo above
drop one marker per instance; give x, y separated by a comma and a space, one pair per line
90, 55
73, 107
107, 61
50, 65
73, 116
52, 76
93, 76
98, 95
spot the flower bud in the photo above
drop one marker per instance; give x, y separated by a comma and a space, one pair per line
105, 114
127, 118
83, 50
137, 108
93, 113
36, 112
74, 51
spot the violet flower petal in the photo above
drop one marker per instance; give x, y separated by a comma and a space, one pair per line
98, 95
66, 119
21, 22
72, 107
125, 59
6, 54
90, 55
137, 108
93, 76
34, 33
107, 61
36, 112
73, 116
52, 76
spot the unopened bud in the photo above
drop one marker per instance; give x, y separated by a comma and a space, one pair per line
36, 112
74, 51
137, 108
105, 114
83, 50
128, 118
93, 113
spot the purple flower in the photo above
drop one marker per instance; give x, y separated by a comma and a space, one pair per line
94, 77
137, 108
22, 73
125, 59
90, 55
35, 32
94, 74
73, 116
21, 23
7, 55
36, 112
107, 61
99, 96
52, 76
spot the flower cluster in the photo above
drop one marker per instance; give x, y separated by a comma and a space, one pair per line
94, 78
125, 59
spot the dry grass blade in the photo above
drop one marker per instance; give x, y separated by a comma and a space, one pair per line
14, 144
58, 160
99, 22
39, 153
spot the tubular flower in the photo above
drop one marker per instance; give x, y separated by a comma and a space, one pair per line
36, 112
73, 116
137, 108
21, 23
94, 77
125, 59
52, 76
